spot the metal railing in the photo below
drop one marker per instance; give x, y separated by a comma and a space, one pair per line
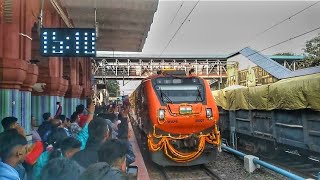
265, 164
110, 68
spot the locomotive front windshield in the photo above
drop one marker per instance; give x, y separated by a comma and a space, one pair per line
179, 90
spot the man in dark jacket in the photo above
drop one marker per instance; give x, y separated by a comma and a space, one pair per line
112, 162
46, 125
98, 133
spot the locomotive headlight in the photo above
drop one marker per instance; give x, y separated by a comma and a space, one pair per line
209, 113
161, 114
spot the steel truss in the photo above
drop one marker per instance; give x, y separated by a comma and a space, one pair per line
113, 68
295, 65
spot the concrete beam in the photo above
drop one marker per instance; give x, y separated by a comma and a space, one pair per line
118, 4
120, 47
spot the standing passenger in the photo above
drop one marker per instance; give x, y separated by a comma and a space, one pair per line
12, 153
46, 125
35, 135
98, 134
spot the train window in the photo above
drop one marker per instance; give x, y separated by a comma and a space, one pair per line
176, 81
195, 80
159, 81
180, 93
167, 81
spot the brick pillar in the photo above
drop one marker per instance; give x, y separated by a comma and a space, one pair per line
13, 62
72, 97
25, 91
50, 73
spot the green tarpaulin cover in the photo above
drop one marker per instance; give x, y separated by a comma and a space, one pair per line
294, 93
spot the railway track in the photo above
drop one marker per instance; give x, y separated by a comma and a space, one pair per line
201, 172
303, 166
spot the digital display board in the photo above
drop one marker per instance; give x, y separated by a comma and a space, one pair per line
68, 42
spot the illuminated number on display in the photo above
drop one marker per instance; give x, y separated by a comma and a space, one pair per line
68, 42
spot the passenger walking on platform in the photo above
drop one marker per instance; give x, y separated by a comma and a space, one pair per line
46, 125
12, 153
123, 132
123, 127
98, 134
112, 162
61, 169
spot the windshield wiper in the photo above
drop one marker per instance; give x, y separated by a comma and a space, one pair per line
199, 95
163, 95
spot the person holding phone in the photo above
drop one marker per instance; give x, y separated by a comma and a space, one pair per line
59, 110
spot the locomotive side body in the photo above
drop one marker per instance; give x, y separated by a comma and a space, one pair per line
179, 117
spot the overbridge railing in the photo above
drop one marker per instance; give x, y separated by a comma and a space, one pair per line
141, 68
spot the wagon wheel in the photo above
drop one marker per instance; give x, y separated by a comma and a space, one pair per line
271, 152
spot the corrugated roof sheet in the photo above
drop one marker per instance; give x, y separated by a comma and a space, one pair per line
269, 65
303, 72
295, 57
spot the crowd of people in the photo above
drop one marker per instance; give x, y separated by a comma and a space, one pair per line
90, 145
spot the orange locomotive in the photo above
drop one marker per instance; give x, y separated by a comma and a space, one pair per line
179, 117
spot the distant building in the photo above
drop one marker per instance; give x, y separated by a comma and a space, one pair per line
250, 68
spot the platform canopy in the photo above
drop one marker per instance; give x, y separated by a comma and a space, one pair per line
123, 25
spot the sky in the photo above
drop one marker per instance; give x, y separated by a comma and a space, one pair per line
225, 27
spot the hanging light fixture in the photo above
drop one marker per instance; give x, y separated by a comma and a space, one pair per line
96, 23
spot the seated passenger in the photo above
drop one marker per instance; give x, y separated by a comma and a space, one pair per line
12, 154
112, 165
98, 134
61, 169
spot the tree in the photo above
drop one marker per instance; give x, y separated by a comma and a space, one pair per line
312, 51
113, 87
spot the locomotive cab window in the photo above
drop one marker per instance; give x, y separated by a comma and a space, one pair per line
179, 90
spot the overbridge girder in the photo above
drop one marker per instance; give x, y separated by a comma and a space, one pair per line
140, 68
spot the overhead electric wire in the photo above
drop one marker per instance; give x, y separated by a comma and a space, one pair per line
284, 20
179, 28
177, 12
292, 38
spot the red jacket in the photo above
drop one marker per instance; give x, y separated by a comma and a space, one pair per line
83, 119
34, 153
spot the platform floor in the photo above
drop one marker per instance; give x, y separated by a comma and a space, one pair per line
142, 169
